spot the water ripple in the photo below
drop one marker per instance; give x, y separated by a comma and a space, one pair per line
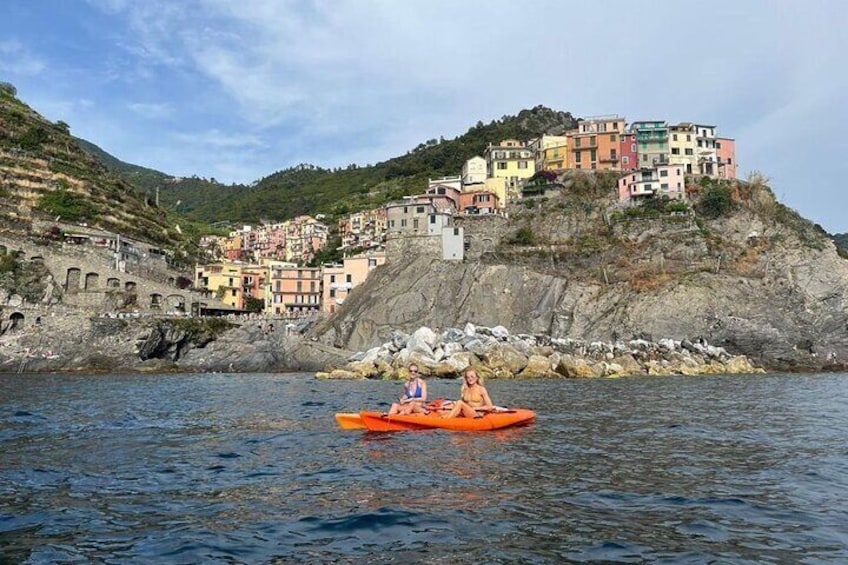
251, 468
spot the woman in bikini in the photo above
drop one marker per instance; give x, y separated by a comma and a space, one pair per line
474, 397
414, 394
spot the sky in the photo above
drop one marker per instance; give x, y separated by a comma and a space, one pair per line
236, 90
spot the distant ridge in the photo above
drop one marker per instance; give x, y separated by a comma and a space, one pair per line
309, 189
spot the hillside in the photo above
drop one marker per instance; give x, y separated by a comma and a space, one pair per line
306, 189
738, 269
45, 174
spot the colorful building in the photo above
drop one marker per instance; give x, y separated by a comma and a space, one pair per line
550, 152
682, 146
628, 152
481, 202
726, 151
293, 290
227, 281
649, 182
596, 143
651, 142
339, 279
511, 160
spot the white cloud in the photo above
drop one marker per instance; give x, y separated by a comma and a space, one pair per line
214, 138
16, 59
151, 110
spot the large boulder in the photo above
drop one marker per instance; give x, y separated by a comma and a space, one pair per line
537, 367
505, 358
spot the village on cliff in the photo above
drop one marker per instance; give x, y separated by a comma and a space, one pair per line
261, 268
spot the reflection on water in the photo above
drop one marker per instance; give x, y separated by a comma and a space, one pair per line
251, 468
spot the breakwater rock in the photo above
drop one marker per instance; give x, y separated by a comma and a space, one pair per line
496, 353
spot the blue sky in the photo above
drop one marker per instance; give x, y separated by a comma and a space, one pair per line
236, 90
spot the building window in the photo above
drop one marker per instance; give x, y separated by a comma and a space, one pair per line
729, 161
419, 210
613, 138
501, 166
234, 292
664, 173
664, 186
332, 293
675, 151
403, 223
312, 286
645, 158
633, 148
332, 278
299, 286
522, 164
577, 156
625, 160
689, 151
348, 278
577, 142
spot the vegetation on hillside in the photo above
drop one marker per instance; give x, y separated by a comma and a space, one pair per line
44, 173
308, 189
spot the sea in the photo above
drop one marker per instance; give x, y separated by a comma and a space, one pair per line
252, 468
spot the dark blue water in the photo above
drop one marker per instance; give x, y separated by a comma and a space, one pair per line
252, 469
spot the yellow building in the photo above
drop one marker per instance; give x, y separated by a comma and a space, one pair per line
231, 282
555, 158
511, 160
682, 146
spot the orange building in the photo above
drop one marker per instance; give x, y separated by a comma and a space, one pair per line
596, 143
340, 279
479, 202
293, 290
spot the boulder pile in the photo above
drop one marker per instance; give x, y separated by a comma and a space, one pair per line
495, 353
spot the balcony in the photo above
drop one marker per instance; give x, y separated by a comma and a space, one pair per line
642, 189
609, 159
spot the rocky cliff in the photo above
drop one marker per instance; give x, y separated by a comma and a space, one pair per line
756, 279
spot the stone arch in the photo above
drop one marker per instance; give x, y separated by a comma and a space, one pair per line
488, 244
38, 259
72, 279
130, 286
91, 281
16, 321
112, 282
469, 241
155, 300
172, 281
176, 302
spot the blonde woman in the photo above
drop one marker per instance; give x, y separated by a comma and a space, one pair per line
474, 397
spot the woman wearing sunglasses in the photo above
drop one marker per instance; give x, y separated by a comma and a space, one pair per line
414, 394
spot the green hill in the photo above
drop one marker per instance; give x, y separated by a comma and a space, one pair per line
46, 175
307, 189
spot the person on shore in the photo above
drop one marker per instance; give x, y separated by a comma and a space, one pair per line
414, 394
474, 399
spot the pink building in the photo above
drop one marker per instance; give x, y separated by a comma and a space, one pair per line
481, 202
726, 150
628, 152
664, 180
340, 279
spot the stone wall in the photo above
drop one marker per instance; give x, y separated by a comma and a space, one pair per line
89, 279
400, 246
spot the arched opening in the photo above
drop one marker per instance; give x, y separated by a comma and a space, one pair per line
172, 281
91, 281
112, 282
155, 301
38, 259
17, 321
129, 286
176, 302
72, 279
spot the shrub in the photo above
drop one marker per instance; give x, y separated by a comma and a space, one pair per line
715, 201
524, 236
71, 207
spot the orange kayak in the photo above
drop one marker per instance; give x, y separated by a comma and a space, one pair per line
376, 422
350, 421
